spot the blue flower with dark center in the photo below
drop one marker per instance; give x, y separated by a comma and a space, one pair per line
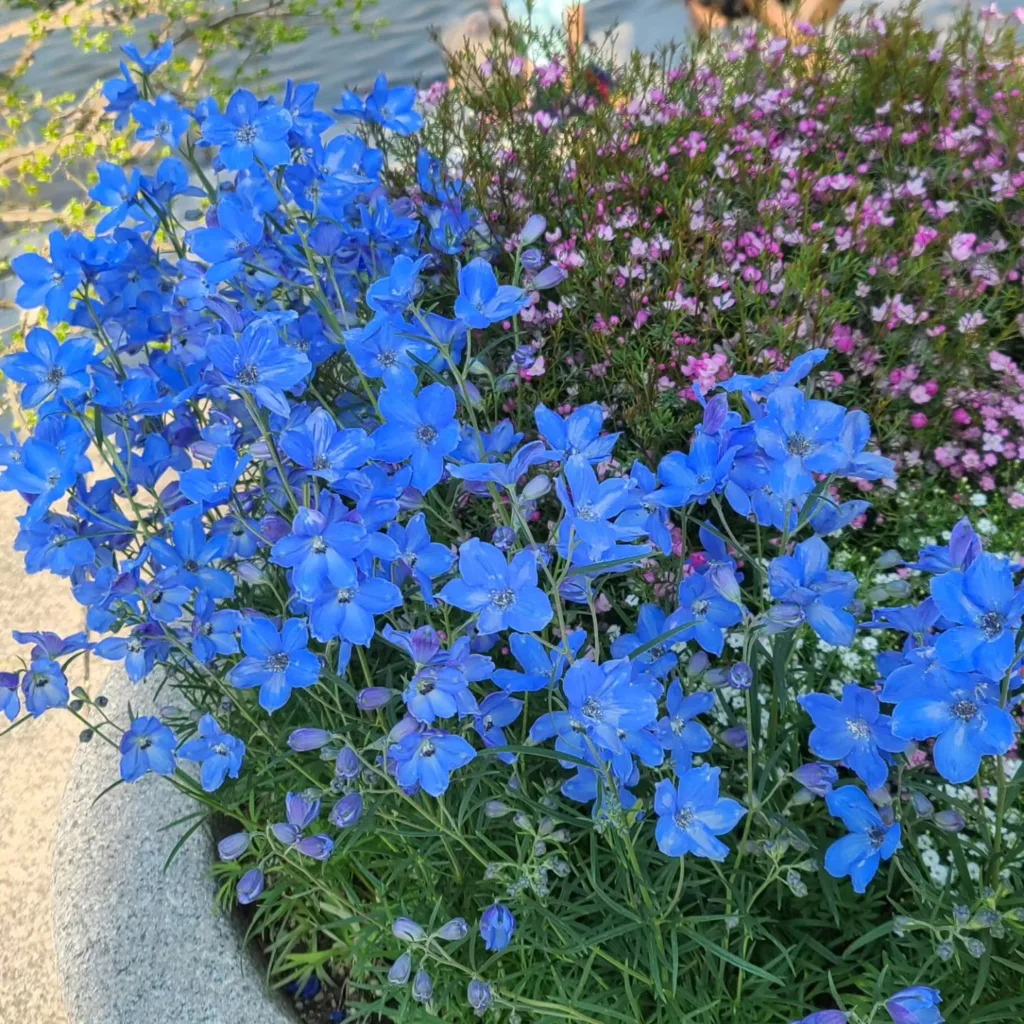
161, 119
393, 109
217, 753
870, 841
691, 815
319, 542
348, 602
854, 732
276, 662
44, 686
481, 300
233, 242
497, 710
797, 371
427, 759
323, 449
51, 369
703, 614
214, 632
659, 660
503, 595
214, 486
389, 350
188, 561
50, 282
589, 508
249, 131
694, 477
577, 434
421, 428
419, 556
301, 813
542, 666
678, 732
148, 746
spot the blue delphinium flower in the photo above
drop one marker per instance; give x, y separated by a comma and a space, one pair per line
605, 705
659, 660
870, 840
481, 300
393, 294
649, 515
148, 746
51, 369
234, 240
188, 561
503, 595
589, 508
694, 477
821, 595
691, 815
389, 350
853, 731
419, 556
962, 711
10, 705
678, 732
257, 363
347, 604
160, 119
323, 449
139, 651
916, 1005
44, 686
248, 131
120, 94
218, 753
50, 282
421, 428
819, 779
507, 475
301, 813
392, 108
497, 926
823, 1017
276, 662
984, 611
214, 486
438, 691
428, 758
577, 434
149, 62
497, 710
963, 548
319, 542
542, 667
705, 613
797, 370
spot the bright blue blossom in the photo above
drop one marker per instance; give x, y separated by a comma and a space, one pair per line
276, 661
249, 131
703, 614
218, 753
503, 595
427, 759
678, 731
691, 815
50, 282
389, 350
10, 705
392, 108
497, 926
481, 300
160, 119
870, 841
149, 62
51, 369
917, 1005
301, 813
578, 434
348, 603
854, 732
659, 660
963, 548
190, 559
323, 449
797, 371
148, 746
44, 686
590, 506
319, 542
694, 477
419, 556
497, 710
421, 428
542, 667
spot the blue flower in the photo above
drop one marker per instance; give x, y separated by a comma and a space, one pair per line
917, 1005
818, 779
234, 240
250, 886
44, 686
506, 475
694, 477
854, 732
393, 294
496, 711
120, 94
962, 711
503, 595
190, 558
218, 753
704, 612
823, 1017
660, 660
870, 840
120, 192
50, 282
391, 108
50, 369
301, 813
214, 486
479, 996
481, 300
691, 815
818, 594
678, 732
389, 350
798, 369
421, 428
42, 472
438, 690
428, 758
214, 632
605, 706
319, 543
578, 434
984, 610
346, 607
148, 746
10, 705
649, 515
542, 667
497, 926
248, 131
139, 651
963, 548
589, 508
161, 119
419, 556
323, 449
276, 662
149, 62
859, 463
257, 363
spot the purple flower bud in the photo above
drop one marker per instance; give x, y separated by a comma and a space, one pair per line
424, 643
536, 488
818, 778
232, 847
273, 527
422, 986
698, 665
8, 680
723, 579
917, 1005
373, 697
250, 886
531, 259
924, 807
503, 538
308, 739
497, 926
950, 821
782, 617
496, 809
479, 996
715, 414
533, 229
550, 277
888, 560
736, 736
741, 675
347, 764
407, 930
457, 928
473, 396
318, 847
401, 969
249, 573
347, 811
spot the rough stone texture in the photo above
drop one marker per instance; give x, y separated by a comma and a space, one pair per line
135, 944
34, 762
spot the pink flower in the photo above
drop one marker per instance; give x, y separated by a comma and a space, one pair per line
961, 416
924, 237
961, 245
919, 394
1016, 499
918, 420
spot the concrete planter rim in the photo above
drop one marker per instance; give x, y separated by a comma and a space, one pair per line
135, 944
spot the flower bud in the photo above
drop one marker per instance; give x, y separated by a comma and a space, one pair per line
232, 847
915, 1005
347, 811
496, 809
457, 928
422, 986
736, 736
533, 229
741, 675
401, 969
347, 764
531, 259
950, 821
479, 996
407, 930
250, 886
550, 277
308, 739
817, 778
536, 488
503, 538
922, 805
497, 926
372, 697
723, 579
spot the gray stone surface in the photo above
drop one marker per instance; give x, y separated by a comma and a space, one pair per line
136, 944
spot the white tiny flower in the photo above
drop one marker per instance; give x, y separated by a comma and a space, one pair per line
979, 500
632, 600
987, 527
